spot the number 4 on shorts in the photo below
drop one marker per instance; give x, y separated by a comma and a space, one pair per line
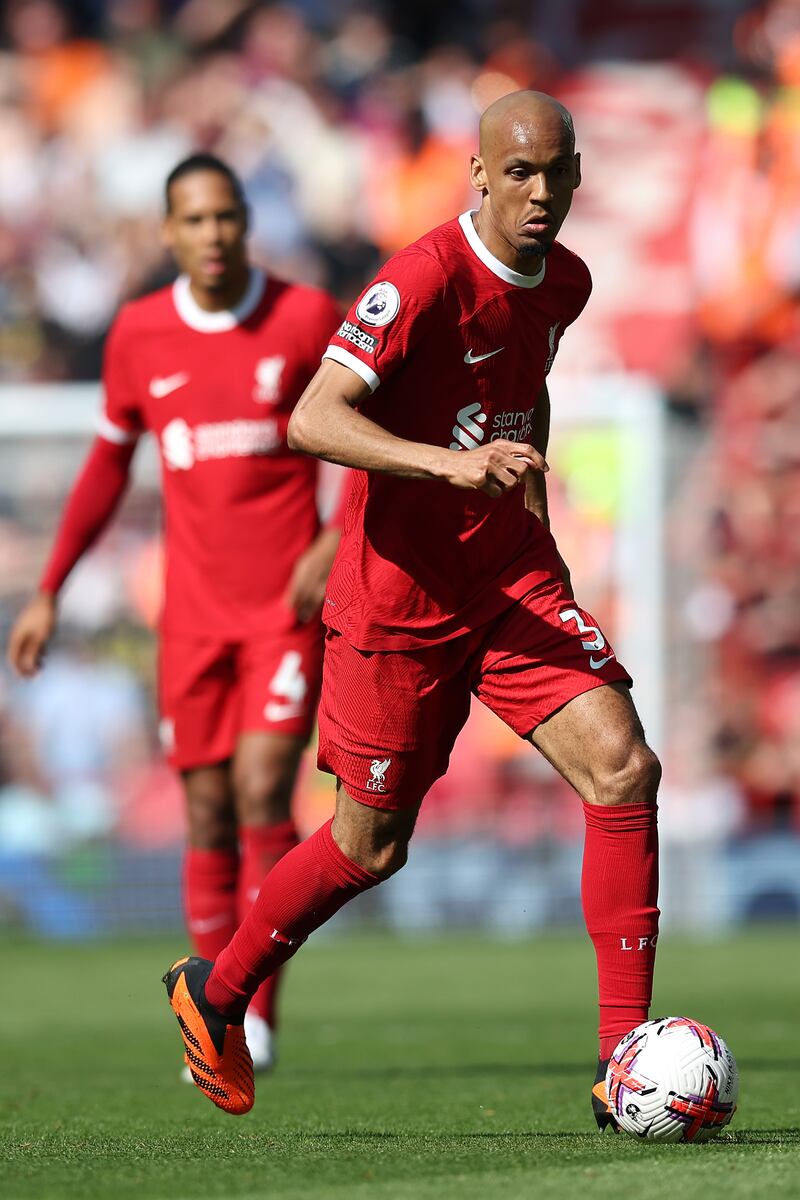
289, 682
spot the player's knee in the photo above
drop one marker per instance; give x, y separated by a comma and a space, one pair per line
382, 857
264, 794
388, 860
211, 818
633, 779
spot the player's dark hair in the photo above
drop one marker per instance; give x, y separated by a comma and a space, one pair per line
203, 161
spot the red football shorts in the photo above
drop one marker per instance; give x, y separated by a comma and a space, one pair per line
211, 691
388, 720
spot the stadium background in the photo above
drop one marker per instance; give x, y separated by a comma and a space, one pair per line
677, 444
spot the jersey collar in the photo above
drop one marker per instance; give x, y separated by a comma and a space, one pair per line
197, 318
488, 259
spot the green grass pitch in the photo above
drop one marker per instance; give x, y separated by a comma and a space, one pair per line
410, 1070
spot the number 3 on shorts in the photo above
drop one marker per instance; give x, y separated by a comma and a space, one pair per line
597, 642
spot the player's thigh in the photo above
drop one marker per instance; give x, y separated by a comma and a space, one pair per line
279, 676
264, 769
549, 672
388, 720
597, 743
199, 700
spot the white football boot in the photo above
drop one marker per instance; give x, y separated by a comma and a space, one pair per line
260, 1041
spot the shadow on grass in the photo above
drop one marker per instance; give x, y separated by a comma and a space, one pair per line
757, 1137
741, 1137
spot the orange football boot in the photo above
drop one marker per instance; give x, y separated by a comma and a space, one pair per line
603, 1113
215, 1047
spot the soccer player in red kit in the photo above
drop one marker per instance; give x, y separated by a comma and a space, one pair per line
448, 583
213, 366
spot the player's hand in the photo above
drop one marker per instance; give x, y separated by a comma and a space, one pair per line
495, 468
30, 634
306, 589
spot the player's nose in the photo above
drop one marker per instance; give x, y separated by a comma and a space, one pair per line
540, 188
212, 231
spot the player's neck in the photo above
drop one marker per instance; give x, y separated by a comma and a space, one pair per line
223, 298
496, 244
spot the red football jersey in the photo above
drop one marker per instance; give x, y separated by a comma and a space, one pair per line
460, 345
217, 391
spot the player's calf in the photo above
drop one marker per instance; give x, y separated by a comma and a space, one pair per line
303, 891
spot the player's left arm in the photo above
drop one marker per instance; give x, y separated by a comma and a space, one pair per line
536, 481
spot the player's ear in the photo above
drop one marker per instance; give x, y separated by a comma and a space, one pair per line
246, 216
577, 170
477, 174
168, 231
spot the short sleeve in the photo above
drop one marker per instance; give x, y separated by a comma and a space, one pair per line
578, 292
121, 417
583, 290
390, 317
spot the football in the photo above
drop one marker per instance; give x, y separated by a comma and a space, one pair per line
672, 1080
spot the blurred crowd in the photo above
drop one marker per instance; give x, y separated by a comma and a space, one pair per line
351, 125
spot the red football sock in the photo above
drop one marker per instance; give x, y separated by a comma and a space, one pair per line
619, 888
301, 892
209, 898
261, 847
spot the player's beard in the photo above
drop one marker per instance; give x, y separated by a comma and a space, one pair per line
533, 250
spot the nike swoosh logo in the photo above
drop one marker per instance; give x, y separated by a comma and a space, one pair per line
274, 711
208, 924
159, 388
597, 665
469, 357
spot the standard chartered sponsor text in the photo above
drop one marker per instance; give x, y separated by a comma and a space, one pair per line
513, 426
183, 446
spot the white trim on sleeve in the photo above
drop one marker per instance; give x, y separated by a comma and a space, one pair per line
115, 433
340, 355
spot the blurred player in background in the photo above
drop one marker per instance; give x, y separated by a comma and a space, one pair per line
448, 582
213, 366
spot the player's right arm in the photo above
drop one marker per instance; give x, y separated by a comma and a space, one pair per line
325, 423
405, 307
90, 505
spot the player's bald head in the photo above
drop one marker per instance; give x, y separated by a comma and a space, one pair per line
526, 171
522, 118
